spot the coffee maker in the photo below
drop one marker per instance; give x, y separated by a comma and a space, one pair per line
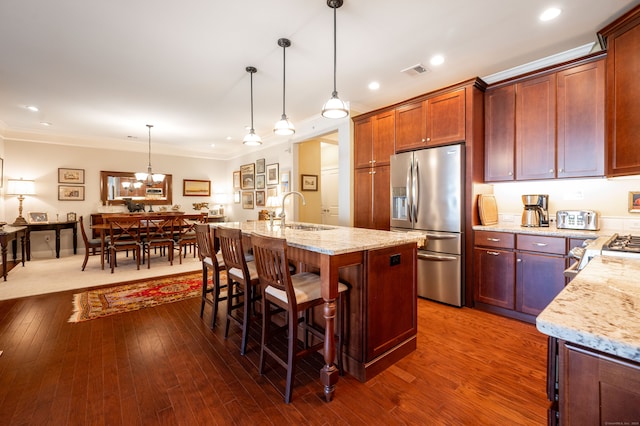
536, 210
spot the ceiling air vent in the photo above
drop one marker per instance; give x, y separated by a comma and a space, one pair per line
416, 69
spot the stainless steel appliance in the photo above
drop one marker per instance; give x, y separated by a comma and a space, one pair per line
577, 219
615, 245
536, 210
426, 195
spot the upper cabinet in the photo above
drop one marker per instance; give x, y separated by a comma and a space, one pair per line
374, 140
433, 121
580, 120
622, 41
548, 125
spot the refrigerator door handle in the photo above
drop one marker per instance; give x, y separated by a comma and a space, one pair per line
416, 191
409, 186
435, 257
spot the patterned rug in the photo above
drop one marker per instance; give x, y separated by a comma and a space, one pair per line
135, 295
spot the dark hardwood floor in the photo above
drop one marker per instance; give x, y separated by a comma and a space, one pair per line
164, 365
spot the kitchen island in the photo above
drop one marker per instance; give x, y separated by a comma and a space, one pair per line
594, 329
380, 267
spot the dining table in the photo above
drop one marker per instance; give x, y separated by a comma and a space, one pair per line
328, 249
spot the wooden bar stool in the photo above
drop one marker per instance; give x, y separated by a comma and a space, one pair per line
297, 295
242, 281
211, 261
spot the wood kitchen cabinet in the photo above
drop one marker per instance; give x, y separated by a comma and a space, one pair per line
596, 388
580, 120
540, 265
374, 145
372, 198
434, 121
517, 275
549, 125
535, 128
500, 134
494, 263
622, 42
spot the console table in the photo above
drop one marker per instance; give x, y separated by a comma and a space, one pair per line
11, 234
54, 226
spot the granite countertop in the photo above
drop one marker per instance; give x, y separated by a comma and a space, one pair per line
599, 309
331, 240
549, 231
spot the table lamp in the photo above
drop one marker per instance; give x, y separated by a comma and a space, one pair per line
273, 203
20, 187
220, 199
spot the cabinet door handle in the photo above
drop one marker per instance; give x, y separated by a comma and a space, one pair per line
518, 260
428, 139
540, 244
550, 170
493, 253
373, 161
510, 173
495, 240
424, 140
561, 170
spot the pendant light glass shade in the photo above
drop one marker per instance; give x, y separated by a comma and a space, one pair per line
149, 177
251, 138
334, 107
284, 127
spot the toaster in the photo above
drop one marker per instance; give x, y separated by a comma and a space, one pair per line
577, 219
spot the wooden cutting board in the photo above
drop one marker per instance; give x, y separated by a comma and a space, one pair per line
488, 209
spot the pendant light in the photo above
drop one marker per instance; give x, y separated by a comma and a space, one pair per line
334, 108
251, 138
149, 178
284, 127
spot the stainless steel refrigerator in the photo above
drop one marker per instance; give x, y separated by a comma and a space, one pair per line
426, 195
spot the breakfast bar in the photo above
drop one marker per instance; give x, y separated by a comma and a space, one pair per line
380, 267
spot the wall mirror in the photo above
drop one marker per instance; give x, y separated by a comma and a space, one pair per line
116, 186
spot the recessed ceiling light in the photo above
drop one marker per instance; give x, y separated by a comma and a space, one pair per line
229, 138
549, 14
32, 108
374, 85
45, 123
213, 145
437, 60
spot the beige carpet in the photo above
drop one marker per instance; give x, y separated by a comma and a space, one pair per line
40, 276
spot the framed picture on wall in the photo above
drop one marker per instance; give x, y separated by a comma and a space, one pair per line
70, 193
309, 182
194, 188
273, 174
260, 165
70, 175
634, 202
260, 198
247, 199
38, 217
247, 176
260, 181
236, 179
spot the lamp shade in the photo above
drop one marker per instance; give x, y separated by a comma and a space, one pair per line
21, 187
274, 202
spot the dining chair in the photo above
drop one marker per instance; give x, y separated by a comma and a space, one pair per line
296, 294
212, 260
242, 281
124, 235
157, 233
92, 246
185, 236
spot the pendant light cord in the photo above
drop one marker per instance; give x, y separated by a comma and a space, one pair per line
284, 78
335, 48
251, 75
149, 126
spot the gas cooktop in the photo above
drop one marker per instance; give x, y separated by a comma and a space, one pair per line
623, 243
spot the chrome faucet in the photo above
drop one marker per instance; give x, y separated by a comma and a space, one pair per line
284, 197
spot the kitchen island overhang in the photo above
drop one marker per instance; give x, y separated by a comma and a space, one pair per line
380, 267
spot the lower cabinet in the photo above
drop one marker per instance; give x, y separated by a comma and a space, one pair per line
517, 275
596, 388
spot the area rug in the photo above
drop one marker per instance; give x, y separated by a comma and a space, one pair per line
135, 295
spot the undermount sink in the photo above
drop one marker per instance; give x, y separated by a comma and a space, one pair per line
301, 227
